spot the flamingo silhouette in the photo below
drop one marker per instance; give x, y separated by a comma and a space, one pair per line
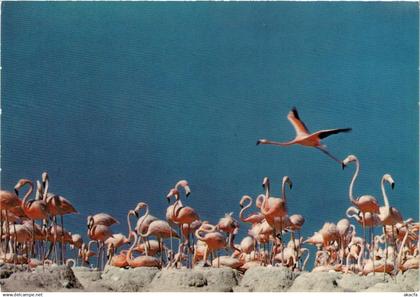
304, 137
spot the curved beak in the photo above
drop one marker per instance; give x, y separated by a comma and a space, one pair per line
343, 165
241, 205
290, 185
392, 185
136, 213
169, 199
16, 192
258, 142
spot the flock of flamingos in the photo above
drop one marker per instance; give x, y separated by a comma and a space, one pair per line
32, 235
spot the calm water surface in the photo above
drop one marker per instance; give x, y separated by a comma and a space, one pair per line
118, 101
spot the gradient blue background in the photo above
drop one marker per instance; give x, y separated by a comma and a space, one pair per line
118, 101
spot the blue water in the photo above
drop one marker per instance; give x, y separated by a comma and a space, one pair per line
118, 101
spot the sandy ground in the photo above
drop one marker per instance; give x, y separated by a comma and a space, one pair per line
256, 279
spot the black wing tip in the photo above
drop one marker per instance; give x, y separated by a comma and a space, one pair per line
295, 112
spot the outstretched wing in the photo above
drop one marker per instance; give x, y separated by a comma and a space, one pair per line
299, 126
325, 133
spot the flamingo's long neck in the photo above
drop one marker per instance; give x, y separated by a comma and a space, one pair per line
241, 213
45, 189
353, 213
266, 197
283, 191
359, 258
401, 249
128, 255
384, 193
129, 223
356, 173
141, 223
176, 204
28, 193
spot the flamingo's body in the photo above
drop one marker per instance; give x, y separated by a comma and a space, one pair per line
304, 137
141, 261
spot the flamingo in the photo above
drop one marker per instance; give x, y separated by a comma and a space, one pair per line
57, 205
365, 203
116, 241
304, 137
8, 202
101, 219
181, 215
100, 233
119, 260
214, 240
230, 226
141, 261
387, 214
159, 228
275, 208
34, 209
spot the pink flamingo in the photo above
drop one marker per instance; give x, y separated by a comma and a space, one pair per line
182, 214
366, 203
214, 240
141, 261
159, 228
303, 137
57, 205
34, 209
388, 215
99, 233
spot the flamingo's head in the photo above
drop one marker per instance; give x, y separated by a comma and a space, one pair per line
44, 177
287, 180
262, 141
172, 192
139, 206
20, 184
90, 222
349, 159
387, 177
266, 182
244, 197
183, 183
133, 212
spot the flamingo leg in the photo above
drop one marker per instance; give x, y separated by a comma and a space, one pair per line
63, 245
328, 154
386, 251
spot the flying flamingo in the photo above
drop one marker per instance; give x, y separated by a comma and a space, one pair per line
141, 261
304, 137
